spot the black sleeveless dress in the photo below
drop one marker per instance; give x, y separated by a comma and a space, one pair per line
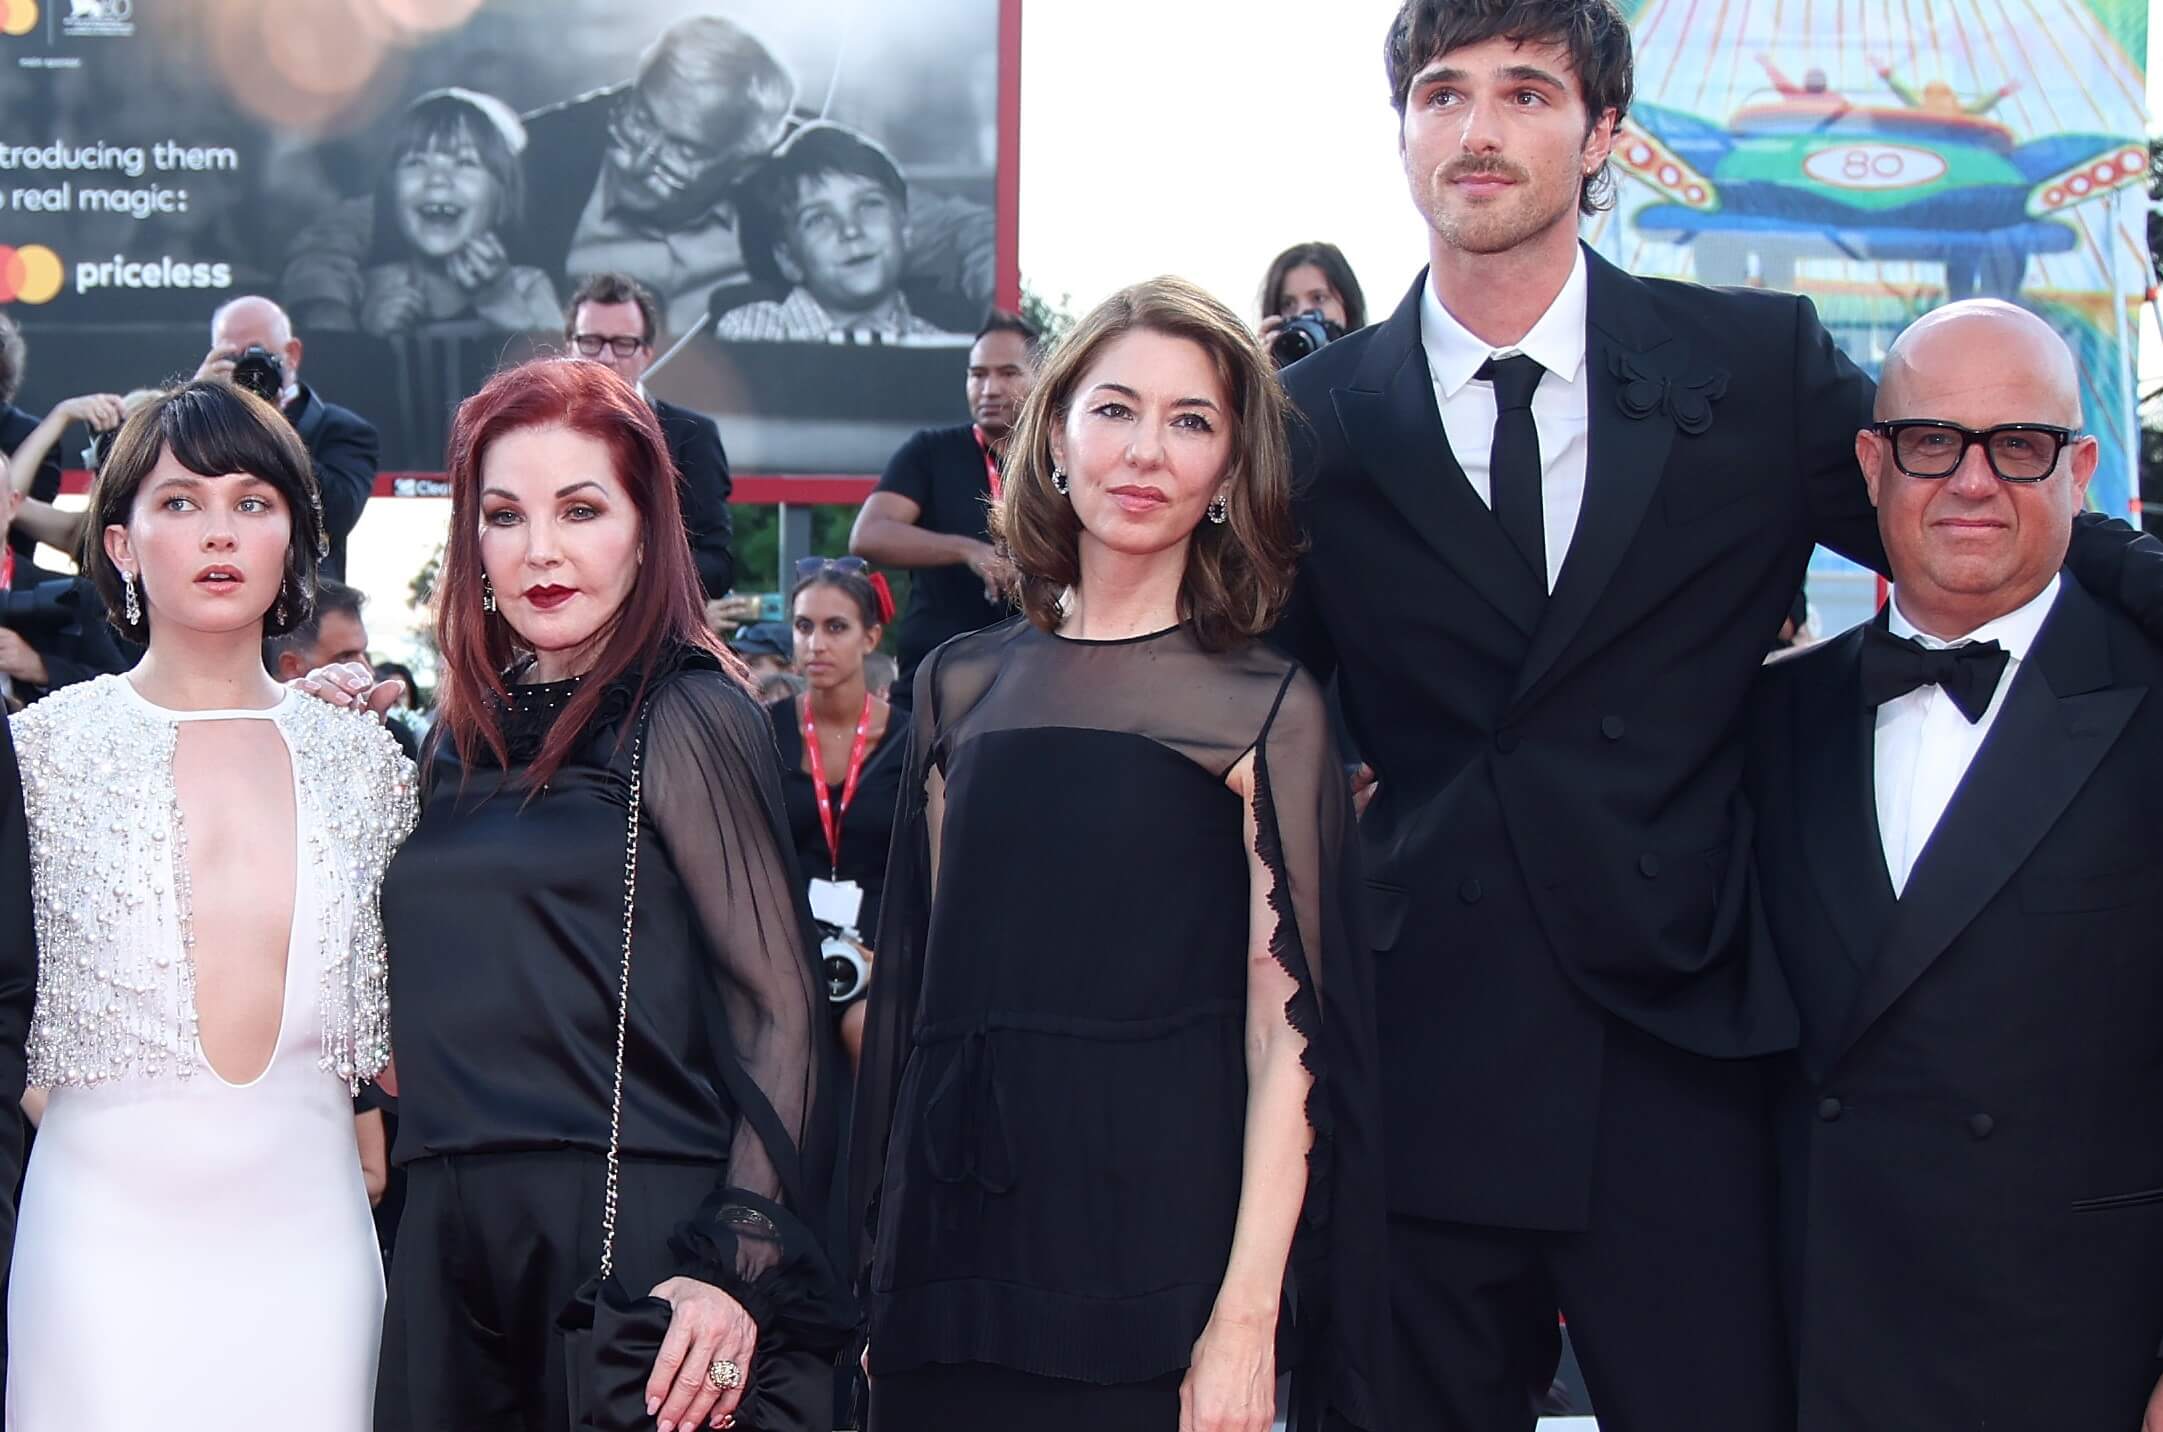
1053, 1090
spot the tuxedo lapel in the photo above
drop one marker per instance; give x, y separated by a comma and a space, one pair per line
1390, 420
1625, 456
1836, 798
2061, 716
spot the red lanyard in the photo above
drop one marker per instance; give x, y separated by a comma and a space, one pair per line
829, 818
991, 464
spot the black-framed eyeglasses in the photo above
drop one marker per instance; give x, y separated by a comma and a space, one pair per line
2018, 452
623, 345
809, 567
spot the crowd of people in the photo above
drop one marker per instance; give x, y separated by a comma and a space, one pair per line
1327, 885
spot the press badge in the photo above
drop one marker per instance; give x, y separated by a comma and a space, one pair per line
837, 903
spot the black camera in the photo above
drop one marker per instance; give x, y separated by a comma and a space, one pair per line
48, 607
261, 372
1302, 334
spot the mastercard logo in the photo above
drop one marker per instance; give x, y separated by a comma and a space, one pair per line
30, 274
18, 17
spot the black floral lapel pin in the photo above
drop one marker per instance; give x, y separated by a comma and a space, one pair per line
1641, 391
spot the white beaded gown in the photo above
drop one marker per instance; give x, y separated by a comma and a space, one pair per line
193, 1254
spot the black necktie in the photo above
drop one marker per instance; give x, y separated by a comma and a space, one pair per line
1895, 665
1513, 467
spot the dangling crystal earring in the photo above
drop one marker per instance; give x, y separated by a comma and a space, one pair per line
277, 609
132, 606
1220, 511
488, 594
1058, 479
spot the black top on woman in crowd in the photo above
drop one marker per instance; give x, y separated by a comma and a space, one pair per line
504, 913
1052, 1100
867, 827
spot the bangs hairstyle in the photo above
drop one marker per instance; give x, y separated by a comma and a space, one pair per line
212, 429
447, 124
1239, 572
665, 609
1593, 31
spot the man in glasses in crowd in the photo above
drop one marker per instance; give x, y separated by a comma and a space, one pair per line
614, 319
1956, 824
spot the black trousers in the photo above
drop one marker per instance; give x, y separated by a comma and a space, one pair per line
490, 1249
1670, 1292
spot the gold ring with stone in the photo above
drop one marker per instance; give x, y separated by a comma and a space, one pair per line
724, 1375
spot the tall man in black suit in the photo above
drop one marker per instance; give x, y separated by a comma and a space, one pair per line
612, 318
1556, 514
1957, 837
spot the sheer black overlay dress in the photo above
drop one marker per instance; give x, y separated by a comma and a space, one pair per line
504, 916
1051, 1106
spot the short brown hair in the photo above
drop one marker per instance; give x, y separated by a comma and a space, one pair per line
1239, 574
613, 288
211, 428
1593, 31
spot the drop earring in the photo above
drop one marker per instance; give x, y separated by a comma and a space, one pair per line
132, 607
1220, 511
488, 594
1058, 479
277, 610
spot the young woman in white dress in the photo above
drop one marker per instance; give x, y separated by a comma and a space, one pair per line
195, 1251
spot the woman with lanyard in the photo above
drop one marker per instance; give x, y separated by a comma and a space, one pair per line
840, 775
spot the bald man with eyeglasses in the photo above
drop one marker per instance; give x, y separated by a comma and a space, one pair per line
1956, 842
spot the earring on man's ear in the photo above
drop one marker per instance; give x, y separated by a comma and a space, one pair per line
132, 608
1058, 479
488, 594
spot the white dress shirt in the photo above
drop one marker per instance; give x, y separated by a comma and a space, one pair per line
1923, 744
1559, 407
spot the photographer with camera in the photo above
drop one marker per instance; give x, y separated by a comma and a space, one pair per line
1309, 299
841, 763
252, 346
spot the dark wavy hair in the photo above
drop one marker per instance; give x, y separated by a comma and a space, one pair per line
1593, 31
666, 606
211, 428
1239, 573
1334, 266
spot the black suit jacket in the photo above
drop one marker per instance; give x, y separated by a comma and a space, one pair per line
1560, 837
1972, 1136
702, 469
343, 446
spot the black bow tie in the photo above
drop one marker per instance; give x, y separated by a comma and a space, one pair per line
1895, 665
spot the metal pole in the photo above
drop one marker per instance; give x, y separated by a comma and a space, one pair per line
792, 541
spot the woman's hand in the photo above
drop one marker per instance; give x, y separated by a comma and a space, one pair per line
1231, 1385
709, 1325
351, 684
95, 410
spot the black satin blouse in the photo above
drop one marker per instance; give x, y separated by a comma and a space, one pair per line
504, 917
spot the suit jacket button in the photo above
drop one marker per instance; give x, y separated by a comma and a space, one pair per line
1505, 741
1648, 866
1980, 1125
1612, 728
1828, 1108
1469, 892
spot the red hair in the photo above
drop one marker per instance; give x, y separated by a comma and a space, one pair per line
665, 608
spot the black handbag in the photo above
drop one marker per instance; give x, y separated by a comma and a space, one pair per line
612, 1335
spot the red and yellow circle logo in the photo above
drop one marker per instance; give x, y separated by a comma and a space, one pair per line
30, 274
18, 17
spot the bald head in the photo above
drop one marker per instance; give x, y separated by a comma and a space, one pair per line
1980, 350
250, 321
255, 316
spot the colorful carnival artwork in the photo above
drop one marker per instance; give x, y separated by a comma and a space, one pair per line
1886, 156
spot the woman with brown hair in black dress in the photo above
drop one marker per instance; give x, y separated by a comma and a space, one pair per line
1114, 1139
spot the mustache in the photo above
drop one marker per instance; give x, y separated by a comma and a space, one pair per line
1487, 165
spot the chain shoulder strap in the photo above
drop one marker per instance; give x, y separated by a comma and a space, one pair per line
623, 1006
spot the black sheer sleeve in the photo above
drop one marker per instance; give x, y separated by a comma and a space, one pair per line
1306, 837
713, 796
